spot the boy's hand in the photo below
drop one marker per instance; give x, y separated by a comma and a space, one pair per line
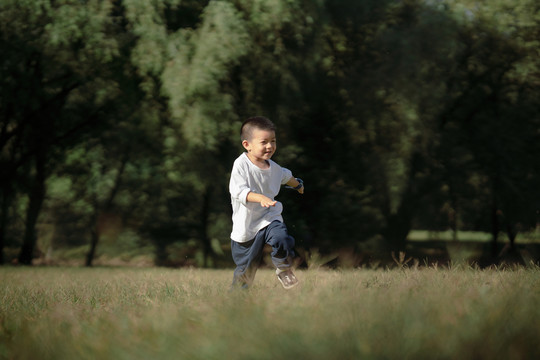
267, 202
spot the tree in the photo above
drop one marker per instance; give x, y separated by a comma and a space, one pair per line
395, 113
58, 85
493, 120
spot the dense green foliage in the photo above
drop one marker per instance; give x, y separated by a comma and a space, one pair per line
119, 120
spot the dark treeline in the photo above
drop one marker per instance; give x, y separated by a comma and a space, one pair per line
119, 120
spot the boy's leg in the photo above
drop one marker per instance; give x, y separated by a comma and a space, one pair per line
282, 253
282, 244
247, 257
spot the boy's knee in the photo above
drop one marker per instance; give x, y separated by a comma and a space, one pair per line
286, 241
282, 241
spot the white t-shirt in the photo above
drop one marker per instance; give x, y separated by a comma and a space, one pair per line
250, 217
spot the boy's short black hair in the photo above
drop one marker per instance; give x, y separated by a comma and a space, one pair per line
255, 122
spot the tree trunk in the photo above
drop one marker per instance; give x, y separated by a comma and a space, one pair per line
399, 225
512, 233
3, 220
453, 212
205, 217
96, 231
494, 226
93, 245
37, 195
398, 228
160, 252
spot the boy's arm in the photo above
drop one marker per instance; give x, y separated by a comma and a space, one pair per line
260, 198
238, 186
294, 183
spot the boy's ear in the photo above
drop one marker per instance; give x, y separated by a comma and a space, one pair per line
245, 144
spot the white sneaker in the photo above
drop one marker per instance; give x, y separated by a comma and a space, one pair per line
287, 278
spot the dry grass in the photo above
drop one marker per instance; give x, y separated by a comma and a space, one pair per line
75, 313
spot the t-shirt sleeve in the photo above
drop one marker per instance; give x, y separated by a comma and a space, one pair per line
286, 175
238, 185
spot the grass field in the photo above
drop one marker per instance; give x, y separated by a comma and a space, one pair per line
155, 313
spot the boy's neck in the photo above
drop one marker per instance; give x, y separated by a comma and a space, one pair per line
262, 164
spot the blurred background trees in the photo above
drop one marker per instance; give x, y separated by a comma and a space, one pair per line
119, 121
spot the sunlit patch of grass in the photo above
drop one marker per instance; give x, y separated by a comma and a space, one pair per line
472, 236
456, 312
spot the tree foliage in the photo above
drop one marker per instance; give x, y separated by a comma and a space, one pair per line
397, 114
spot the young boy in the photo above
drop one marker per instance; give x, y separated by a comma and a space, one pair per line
255, 182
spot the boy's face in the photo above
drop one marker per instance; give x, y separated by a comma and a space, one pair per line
262, 145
